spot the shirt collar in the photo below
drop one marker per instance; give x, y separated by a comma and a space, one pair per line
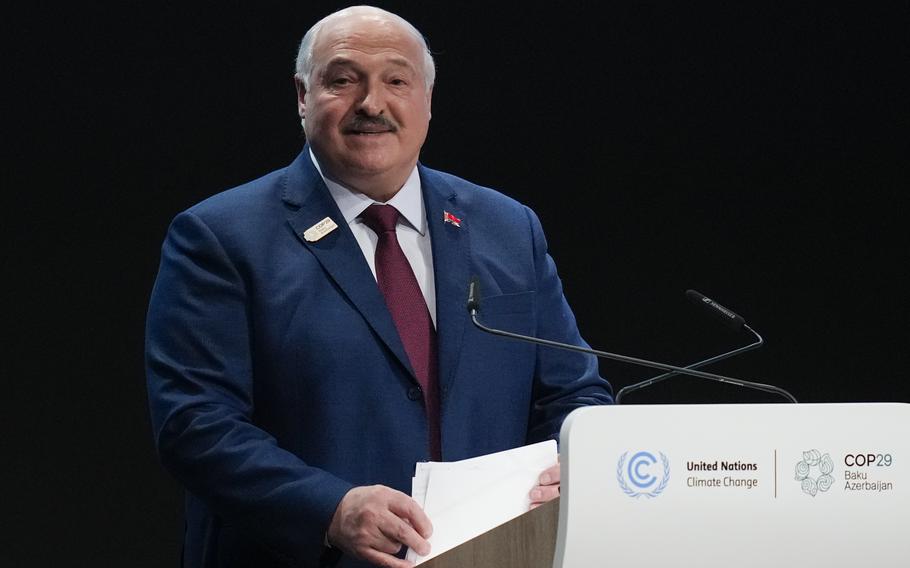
408, 200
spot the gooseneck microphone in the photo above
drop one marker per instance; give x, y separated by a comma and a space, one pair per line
473, 306
730, 318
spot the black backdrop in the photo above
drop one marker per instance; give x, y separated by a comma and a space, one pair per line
757, 153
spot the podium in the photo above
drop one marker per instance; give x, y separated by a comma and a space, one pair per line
824, 485
528, 541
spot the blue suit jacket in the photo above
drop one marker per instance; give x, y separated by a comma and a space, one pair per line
277, 380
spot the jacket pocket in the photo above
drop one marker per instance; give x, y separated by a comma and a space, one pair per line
509, 312
518, 303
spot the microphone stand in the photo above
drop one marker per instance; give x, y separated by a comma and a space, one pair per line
653, 380
473, 306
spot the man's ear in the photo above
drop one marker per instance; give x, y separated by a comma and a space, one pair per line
301, 95
430, 103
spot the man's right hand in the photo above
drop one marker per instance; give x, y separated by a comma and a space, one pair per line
373, 523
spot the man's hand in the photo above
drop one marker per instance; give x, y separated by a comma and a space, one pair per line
372, 523
547, 488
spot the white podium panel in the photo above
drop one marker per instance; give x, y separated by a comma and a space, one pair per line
799, 485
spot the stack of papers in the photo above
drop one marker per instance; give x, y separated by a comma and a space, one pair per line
465, 499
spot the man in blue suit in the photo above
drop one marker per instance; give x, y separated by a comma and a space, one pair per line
302, 356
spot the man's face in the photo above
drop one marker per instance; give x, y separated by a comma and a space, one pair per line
367, 109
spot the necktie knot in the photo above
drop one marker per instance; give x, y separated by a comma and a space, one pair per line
380, 218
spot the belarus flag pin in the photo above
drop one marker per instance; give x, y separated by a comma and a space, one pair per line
449, 218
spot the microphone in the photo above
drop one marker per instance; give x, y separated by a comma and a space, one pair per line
727, 317
473, 306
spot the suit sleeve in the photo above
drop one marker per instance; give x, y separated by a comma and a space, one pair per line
200, 377
565, 380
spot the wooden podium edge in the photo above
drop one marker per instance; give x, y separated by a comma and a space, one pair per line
527, 541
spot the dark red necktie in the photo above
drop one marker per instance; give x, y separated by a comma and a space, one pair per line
409, 311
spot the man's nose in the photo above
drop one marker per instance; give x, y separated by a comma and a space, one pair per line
371, 99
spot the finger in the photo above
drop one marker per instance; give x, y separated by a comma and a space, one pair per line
355, 527
550, 476
409, 510
544, 493
385, 540
377, 558
401, 532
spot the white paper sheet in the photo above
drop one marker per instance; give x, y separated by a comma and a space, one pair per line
467, 498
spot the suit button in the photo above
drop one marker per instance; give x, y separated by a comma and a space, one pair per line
414, 393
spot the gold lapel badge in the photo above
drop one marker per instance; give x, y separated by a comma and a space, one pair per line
319, 230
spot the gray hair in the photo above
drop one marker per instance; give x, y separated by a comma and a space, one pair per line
304, 64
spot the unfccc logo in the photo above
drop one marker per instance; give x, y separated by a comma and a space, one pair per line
642, 475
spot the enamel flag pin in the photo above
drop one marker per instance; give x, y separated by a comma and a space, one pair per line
319, 230
449, 218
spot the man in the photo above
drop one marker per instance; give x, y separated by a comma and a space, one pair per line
307, 337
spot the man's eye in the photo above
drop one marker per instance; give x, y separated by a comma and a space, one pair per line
398, 82
341, 81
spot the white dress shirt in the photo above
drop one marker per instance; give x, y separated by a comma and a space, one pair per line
412, 232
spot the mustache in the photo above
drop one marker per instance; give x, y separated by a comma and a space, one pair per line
362, 123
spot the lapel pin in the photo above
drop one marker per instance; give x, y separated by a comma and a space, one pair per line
319, 230
449, 218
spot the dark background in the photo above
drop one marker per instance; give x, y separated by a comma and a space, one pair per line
756, 153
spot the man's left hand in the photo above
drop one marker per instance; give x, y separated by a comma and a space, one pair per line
547, 487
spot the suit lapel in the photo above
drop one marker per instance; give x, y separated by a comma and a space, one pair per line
451, 267
338, 251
